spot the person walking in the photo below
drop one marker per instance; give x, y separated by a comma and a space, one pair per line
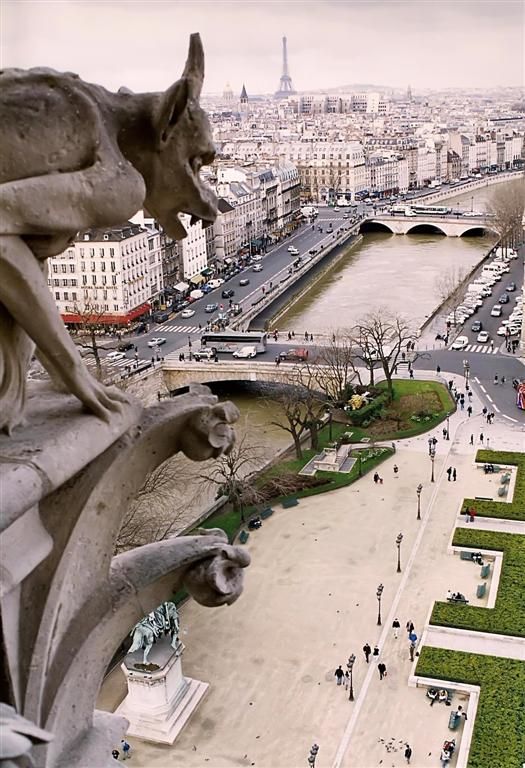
376, 477
411, 373
115, 754
454, 474
469, 411
412, 649
375, 652
472, 439
495, 378
367, 651
484, 411
408, 753
396, 626
409, 627
472, 514
438, 369
381, 668
449, 473
126, 749
339, 675
396, 470
481, 438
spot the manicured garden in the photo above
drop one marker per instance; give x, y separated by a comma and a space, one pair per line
514, 510
499, 730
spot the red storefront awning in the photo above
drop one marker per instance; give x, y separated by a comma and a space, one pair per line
106, 318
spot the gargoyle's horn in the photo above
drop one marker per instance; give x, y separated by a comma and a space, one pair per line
194, 69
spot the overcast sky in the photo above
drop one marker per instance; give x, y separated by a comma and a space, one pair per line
142, 44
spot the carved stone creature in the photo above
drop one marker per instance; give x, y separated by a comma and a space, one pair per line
75, 156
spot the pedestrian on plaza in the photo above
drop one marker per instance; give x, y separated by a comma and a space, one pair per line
409, 627
396, 626
306, 336
381, 668
460, 712
293, 334
495, 378
472, 439
450, 384
469, 411
449, 473
454, 474
396, 470
277, 360
375, 652
484, 411
311, 337
408, 753
412, 649
136, 349
488, 418
376, 477
503, 380
125, 749
438, 369
472, 514
339, 674
481, 438
115, 754
136, 355
289, 336
411, 373
492, 343
470, 395
444, 432
462, 404
367, 651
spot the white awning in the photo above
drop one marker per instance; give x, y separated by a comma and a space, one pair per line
181, 287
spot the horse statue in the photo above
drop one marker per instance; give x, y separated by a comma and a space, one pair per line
164, 620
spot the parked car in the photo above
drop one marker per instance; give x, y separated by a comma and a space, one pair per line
258, 268
298, 354
510, 287
245, 352
256, 257
228, 293
244, 281
187, 313
496, 311
476, 326
460, 343
216, 283
504, 298
156, 341
112, 356
483, 337
204, 353
211, 308
161, 317
125, 346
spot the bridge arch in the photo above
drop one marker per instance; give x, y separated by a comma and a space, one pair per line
477, 230
423, 229
376, 226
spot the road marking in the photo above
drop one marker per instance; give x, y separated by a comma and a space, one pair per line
482, 387
477, 380
490, 399
496, 408
509, 418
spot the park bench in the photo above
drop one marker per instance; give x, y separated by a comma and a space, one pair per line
480, 591
466, 555
485, 571
291, 502
503, 491
453, 721
266, 513
243, 537
504, 479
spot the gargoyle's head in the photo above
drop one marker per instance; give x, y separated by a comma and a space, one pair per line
183, 146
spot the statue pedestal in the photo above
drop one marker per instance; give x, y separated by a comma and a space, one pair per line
161, 701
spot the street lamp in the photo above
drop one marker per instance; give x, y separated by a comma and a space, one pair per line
418, 491
350, 667
432, 457
448, 426
472, 204
399, 539
314, 749
378, 595
430, 445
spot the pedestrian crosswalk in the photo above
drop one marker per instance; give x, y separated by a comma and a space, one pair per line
485, 349
168, 328
115, 364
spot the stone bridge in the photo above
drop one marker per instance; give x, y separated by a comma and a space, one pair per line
452, 226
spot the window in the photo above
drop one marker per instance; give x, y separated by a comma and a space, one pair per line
111, 251
93, 280
64, 267
72, 268
57, 295
103, 266
113, 266
115, 307
82, 266
55, 267
74, 296
73, 283
93, 266
56, 282
82, 252
105, 294
84, 279
113, 279
66, 295
106, 307
92, 252
101, 252
104, 280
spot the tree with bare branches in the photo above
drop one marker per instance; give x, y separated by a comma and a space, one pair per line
506, 207
303, 406
448, 286
86, 337
335, 367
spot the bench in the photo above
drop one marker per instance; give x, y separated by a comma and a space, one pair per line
453, 721
503, 491
456, 601
466, 555
291, 502
504, 479
243, 537
485, 571
266, 513
480, 591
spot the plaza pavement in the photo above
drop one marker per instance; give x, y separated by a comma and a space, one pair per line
310, 601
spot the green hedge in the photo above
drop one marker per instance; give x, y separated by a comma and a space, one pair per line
369, 411
499, 730
508, 615
514, 510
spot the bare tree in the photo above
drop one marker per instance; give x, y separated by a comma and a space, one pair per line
448, 287
92, 317
506, 207
335, 366
303, 406
386, 339
292, 417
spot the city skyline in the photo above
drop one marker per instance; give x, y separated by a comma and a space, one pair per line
330, 44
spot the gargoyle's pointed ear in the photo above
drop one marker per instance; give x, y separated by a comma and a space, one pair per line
172, 106
194, 69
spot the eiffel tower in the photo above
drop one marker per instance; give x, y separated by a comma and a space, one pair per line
285, 84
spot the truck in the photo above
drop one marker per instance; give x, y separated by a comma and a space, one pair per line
309, 211
434, 184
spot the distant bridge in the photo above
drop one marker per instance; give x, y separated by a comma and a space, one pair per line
452, 226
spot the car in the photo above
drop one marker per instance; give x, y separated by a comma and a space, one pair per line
290, 248
245, 352
204, 353
187, 312
256, 257
298, 354
504, 298
216, 283
244, 281
112, 356
336, 209
161, 317
483, 337
235, 310
496, 311
293, 251
209, 308
228, 293
346, 215
125, 346
156, 341
460, 343
510, 287
462, 309
258, 268
476, 326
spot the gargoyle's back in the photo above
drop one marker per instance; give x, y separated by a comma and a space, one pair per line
49, 123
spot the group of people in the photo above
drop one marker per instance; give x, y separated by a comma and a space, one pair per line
378, 479
126, 751
456, 597
488, 416
447, 752
470, 514
452, 474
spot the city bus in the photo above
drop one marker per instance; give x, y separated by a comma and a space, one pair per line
229, 341
432, 210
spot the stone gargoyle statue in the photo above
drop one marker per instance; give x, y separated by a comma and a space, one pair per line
75, 156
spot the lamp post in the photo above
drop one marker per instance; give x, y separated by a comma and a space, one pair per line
350, 667
448, 426
432, 457
418, 491
466, 370
314, 749
430, 445
399, 539
378, 595
472, 204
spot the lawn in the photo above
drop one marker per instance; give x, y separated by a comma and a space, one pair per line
499, 732
514, 510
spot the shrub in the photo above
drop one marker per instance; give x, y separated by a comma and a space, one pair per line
367, 412
514, 510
